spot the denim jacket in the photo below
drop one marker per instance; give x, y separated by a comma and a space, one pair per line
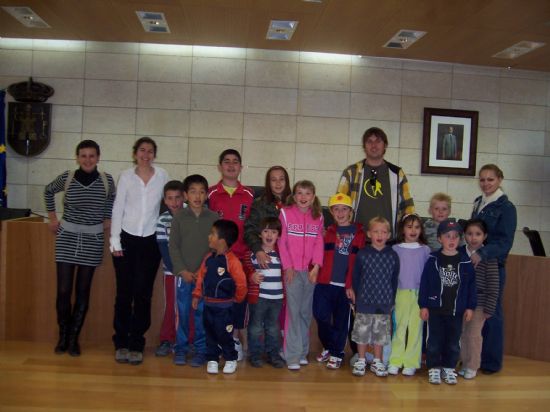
501, 219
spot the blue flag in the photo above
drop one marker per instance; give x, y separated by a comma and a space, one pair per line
3, 194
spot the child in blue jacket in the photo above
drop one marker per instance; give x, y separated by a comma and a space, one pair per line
447, 296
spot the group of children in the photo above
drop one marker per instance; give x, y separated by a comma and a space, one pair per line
390, 290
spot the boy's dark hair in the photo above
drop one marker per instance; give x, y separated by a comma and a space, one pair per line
88, 144
227, 230
271, 222
194, 179
229, 152
172, 185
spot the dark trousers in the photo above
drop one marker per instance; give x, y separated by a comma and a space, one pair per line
331, 310
264, 320
218, 327
492, 350
135, 277
443, 345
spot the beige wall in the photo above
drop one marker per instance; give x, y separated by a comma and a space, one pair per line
305, 111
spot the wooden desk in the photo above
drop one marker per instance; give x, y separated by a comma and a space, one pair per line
526, 306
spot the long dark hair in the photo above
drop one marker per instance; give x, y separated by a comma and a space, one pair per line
268, 196
411, 218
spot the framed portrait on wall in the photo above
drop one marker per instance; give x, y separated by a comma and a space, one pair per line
449, 141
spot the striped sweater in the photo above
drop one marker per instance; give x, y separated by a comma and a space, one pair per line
487, 284
83, 205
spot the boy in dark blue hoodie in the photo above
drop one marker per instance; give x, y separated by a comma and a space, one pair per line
447, 296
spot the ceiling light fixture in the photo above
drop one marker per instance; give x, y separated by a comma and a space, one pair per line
153, 22
404, 39
27, 17
281, 29
518, 49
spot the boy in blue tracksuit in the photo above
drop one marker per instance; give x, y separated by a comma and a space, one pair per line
447, 296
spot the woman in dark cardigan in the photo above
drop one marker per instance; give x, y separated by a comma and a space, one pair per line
277, 189
499, 214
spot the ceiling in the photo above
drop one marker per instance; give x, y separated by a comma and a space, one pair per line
459, 31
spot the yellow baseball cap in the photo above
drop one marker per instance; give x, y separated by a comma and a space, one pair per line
340, 199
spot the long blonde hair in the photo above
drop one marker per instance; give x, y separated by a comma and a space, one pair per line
316, 210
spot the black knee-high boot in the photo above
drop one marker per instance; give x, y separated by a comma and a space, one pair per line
79, 314
63, 321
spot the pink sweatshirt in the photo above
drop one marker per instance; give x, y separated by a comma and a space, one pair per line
301, 241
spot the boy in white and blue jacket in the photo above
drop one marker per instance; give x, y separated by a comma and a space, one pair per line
447, 296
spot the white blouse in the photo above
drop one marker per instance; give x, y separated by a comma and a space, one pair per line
137, 205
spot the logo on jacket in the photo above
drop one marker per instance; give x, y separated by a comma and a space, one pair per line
221, 271
242, 212
229, 328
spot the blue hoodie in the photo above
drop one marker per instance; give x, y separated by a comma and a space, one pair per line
429, 295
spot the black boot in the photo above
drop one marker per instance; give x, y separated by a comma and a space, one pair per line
79, 314
63, 320
63, 342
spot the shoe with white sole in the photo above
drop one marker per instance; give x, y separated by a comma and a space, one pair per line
304, 362
323, 356
230, 366
393, 370
434, 376
359, 367
293, 366
212, 367
449, 376
409, 371
378, 368
468, 373
334, 362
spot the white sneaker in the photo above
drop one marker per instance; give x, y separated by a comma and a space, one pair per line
449, 376
323, 356
304, 361
468, 373
293, 366
239, 349
230, 366
353, 359
434, 376
378, 368
212, 367
393, 370
359, 367
409, 371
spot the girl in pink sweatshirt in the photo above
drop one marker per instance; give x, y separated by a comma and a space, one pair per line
301, 251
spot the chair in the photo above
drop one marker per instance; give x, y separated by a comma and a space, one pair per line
535, 241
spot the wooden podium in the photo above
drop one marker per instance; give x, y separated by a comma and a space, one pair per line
28, 288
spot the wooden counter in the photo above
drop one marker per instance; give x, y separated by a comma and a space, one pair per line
527, 307
28, 283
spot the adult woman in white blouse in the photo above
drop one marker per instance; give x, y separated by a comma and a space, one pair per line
136, 256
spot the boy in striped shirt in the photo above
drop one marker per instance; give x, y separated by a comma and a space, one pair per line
265, 305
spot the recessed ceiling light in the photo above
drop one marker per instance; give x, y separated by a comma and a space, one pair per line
153, 22
404, 39
518, 49
281, 29
27, 17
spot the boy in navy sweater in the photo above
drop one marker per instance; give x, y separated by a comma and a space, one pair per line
447, 295
374, 283
221, 282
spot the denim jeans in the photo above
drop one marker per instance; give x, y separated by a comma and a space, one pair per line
443, 346
183, 297
264, 320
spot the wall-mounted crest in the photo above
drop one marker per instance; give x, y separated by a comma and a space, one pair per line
29, 120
